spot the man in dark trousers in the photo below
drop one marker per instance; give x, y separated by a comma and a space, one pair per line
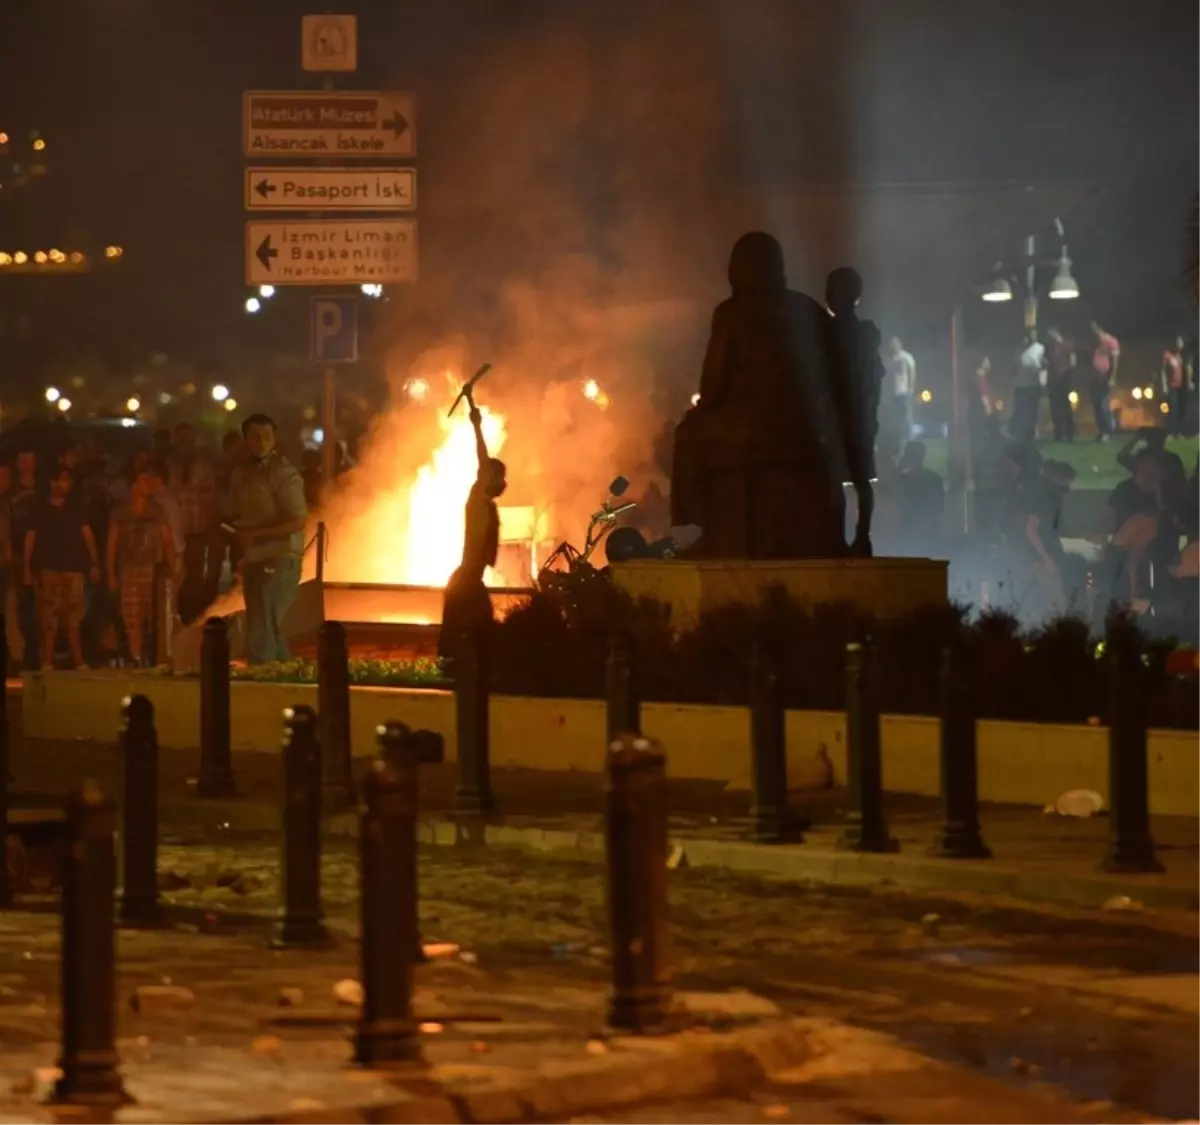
466, 605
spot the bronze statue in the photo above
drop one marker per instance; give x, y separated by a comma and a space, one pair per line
755, 458
466, 604
856, 379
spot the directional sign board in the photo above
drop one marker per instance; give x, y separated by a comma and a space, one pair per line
329, 123
331, 252
331, 189
334, 337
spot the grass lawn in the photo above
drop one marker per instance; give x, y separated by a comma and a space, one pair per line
1095, 463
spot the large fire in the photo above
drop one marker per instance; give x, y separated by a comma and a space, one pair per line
401, 520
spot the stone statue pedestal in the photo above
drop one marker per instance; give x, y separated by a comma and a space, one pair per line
882, 587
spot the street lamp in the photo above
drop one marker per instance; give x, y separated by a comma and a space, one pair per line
1064, 287
253, 304
220, 392
266, 291
133, 404
53, 394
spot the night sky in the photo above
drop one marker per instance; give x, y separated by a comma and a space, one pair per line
140, 102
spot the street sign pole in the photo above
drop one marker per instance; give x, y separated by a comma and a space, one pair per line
329, 424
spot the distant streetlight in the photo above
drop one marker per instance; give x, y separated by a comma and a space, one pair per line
133, 404
231, 405
220, 392
266, 291
1064, 287
53, 395
372, 289
64, 404
253, 304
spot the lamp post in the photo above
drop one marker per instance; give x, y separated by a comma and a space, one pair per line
998, 290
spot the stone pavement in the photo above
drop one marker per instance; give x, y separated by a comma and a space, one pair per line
216, 1044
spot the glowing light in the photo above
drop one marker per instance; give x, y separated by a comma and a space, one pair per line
57, 256
417, 389
318, 436
1136, 392
1164, 408
371, 289
128, 423
3, 138
231, 405
253, 304
927, 395
53, 394
5, 259
113, 251
267, 291
133, 404
20, 257
41, 257
76, 257
64, 404
1148, 392
1073, 398
695, 400
39, 145
591, 390
220, 392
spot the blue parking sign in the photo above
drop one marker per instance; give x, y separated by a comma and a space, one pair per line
334, 334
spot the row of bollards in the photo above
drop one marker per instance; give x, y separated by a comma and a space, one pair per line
387, 1033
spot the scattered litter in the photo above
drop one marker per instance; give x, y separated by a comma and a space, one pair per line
155, 998
434, 950
291, 997
1121, 902
348, 992
596, 1047
1076, 802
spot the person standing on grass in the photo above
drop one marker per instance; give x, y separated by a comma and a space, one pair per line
902, 385
269, 517
1027, 390
139, 539
1061, 373
60, 550
1177, 378
1106, 358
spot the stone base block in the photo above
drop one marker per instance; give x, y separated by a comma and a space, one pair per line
883, 587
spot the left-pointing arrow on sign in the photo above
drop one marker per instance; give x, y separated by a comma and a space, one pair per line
266, 252
264, 187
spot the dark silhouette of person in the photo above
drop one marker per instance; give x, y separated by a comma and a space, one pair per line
856, 384
466, 605
751, 466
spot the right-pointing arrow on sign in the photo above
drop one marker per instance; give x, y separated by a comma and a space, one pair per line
264, 187
266, 252
397, 123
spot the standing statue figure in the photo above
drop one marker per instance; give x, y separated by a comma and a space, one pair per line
754, 461
466, 603
857, 380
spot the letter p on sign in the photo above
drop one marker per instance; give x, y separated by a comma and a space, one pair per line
334, 333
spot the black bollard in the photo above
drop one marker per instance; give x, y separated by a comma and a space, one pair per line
636, 850
139, 814
6, 894
473, 794
333, 710
216, 760
300, 925
622, 703
960, 836
866, 829
89, 1057
768, 749
387, 1032
1132, 846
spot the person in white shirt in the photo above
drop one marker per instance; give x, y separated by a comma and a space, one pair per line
902, 383
1027, 389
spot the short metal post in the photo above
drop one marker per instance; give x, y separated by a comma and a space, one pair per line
866, 829
333, 711
473, 795
768, 749
300, 924
216, 760
322, 549
6, 894
960, 837
89, 1057
1132, 846
387, 1032
139, 813
622, 702
636, 851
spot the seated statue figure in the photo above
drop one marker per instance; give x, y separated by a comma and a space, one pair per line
754, 462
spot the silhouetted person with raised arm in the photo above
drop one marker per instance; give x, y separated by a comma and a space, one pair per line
856, 382
467, 605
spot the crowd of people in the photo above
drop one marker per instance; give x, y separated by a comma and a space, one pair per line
86, 545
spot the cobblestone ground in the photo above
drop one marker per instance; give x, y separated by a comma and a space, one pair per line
1101, 1006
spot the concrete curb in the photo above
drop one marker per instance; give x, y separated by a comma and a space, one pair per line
805, 863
